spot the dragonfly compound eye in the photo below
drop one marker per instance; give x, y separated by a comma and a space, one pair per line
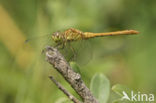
56, 36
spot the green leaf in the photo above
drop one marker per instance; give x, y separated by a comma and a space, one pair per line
122, 91
100, 87
120, 88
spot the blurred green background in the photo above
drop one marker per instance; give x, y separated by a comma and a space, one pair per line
128, 60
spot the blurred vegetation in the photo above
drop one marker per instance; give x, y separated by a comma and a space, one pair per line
128, 60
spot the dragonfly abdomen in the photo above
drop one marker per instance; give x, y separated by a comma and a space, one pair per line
124, 32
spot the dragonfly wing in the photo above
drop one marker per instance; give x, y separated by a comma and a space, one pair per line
78, 51
85, 52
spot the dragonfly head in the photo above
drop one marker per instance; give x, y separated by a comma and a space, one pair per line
56, 36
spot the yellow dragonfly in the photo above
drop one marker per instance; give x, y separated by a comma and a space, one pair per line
72, 34
64, 42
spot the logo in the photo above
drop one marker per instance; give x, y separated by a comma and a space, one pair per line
133, 96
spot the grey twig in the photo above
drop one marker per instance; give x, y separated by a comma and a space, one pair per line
54, 57
70, 96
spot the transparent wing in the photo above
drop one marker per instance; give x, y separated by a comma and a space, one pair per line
37, 45
40, 42
78, 51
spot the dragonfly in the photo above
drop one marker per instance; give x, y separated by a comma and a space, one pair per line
70, 35
64, 40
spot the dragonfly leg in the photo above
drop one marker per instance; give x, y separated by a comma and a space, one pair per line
60, 45
63, 45
57, 45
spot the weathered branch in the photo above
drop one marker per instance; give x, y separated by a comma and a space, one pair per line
70, 96
54, 57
